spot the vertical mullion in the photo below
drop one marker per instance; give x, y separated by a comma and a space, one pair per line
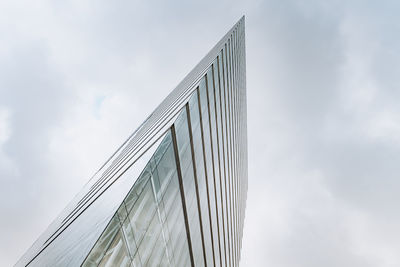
215, 157
223, 137
245, 105
238, 130
179, 172
205, 173
217, 130
238, 137
231, 150
235, 95
242, 129
241, 134
228, 142
213, 169
230, 91
195, 181
227, 114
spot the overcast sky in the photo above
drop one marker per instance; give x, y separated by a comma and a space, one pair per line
323, 84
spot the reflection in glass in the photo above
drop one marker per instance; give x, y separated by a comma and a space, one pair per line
148, 228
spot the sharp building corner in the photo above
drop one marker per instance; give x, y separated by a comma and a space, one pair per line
174, 193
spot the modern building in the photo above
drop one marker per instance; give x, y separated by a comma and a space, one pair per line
174, 193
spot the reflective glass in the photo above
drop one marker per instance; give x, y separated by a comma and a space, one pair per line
102, 244
151, 213
225, 135
220, 155
209, 165
201, 177
189, 185
182, 203
143, 212
215, 156
228, 144
223, 148
232, 141
128, 233
149, 239
117, 254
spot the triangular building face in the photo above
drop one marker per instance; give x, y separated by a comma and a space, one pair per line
174, 193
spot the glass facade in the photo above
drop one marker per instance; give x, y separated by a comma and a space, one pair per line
186, 207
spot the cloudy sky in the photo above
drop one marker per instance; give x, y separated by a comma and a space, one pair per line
77, 77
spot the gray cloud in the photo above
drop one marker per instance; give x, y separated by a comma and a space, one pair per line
77, 78
330, 137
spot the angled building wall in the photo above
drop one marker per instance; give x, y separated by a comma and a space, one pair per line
174, 193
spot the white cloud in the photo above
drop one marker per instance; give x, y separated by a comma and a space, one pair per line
5, 130
78, 78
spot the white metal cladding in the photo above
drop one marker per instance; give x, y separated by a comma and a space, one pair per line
138, 146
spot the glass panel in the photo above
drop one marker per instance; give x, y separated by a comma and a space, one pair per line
230, 117
145, 233
164, 260
136, 261
134, 193
153, 231
122, 213
143, 212
171, 197
221, 151
189, 186
225, 134
128, 233
221, 145
149, 239
177, 233
201, 177
215, 157
166, 169
157, 253
102, 244
209, 164
116, 254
